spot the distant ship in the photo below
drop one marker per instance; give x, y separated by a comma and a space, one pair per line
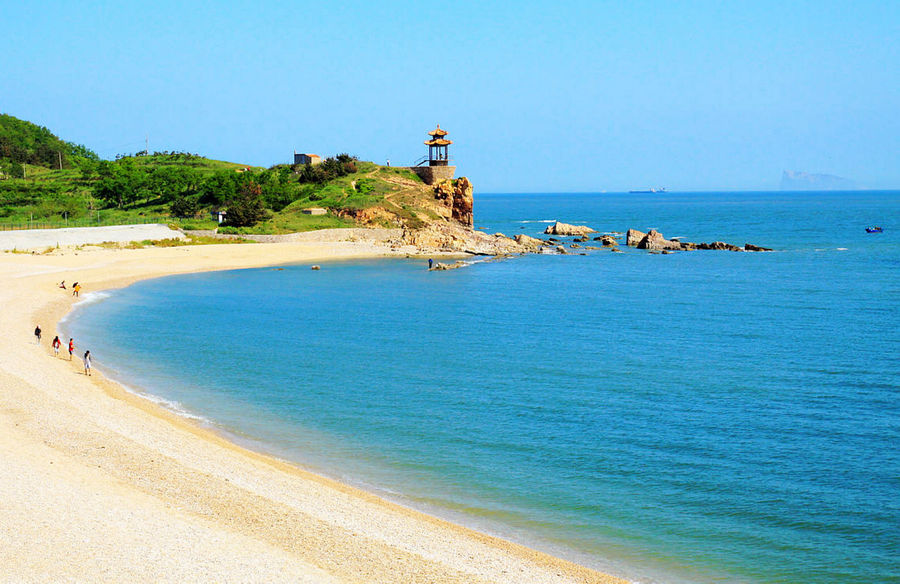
656, 190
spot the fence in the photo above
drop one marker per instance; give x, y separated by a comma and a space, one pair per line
84, 222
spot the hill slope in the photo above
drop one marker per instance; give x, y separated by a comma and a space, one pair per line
22, 142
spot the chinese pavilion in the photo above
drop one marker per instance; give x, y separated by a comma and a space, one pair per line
437, 147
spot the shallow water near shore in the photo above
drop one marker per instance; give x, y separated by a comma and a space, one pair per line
703, 416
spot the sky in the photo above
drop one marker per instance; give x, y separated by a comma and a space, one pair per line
537, 96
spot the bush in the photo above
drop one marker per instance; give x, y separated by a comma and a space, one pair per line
365, 185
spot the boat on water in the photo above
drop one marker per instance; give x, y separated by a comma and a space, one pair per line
652, 190
874, 229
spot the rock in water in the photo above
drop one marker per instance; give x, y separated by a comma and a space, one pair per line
654, 240
607, 241
634, 237
441, 266
751, 247
529, 243
566, 229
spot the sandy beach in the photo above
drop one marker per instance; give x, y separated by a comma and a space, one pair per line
100, 485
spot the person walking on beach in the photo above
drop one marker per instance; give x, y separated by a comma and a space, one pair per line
37, 334
56, 344
430, 263
71, 348
87, 362
76, 289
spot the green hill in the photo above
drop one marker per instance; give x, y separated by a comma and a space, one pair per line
182, 188
23, 143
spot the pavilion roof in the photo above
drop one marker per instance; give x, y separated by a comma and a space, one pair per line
438, 142
437, 132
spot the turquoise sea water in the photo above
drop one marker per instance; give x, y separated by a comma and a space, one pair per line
698, 417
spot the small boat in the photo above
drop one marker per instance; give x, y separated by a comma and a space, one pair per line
652, 190
874, 229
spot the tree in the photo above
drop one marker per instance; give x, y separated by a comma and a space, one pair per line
246, 208
89, 168
185, 206
121, 184
169, 182
218, 188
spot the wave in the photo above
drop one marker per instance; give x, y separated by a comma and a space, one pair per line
88, 298
92, 297
171, 405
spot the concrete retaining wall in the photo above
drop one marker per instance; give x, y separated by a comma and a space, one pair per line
28, 239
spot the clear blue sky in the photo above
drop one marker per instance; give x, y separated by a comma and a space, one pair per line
538, 96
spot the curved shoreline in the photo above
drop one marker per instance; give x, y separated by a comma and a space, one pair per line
252, 516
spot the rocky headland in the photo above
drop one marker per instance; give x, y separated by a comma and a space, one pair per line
455, 237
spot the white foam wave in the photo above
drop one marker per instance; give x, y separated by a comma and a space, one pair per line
171, 405
92, 297
842, 249
88, 298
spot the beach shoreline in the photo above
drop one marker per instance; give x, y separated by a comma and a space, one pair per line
163, 497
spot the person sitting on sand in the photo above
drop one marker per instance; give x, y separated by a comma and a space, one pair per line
87, 362
62, 284
56, 345
37, 334
71, 348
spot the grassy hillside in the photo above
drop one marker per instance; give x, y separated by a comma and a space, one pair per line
182, 188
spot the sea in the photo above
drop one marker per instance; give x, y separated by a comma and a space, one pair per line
706, 416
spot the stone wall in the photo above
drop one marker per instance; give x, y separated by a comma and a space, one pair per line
434, 174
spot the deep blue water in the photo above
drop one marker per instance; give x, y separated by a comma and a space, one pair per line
703, 416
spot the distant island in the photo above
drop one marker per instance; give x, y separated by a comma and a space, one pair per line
793, 180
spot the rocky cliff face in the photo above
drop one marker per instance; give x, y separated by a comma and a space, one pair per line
457, 198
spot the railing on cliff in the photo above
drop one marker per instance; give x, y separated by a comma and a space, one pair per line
425, 159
